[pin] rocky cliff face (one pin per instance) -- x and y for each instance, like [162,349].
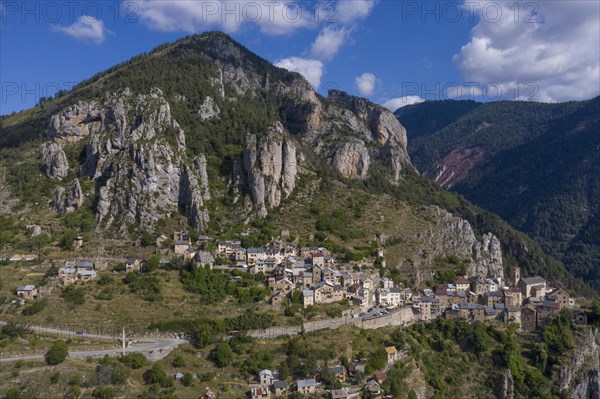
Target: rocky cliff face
[375,127]
[579,373]
[68,200]
[444,235]
[270,166]
[506,386]
[137,151]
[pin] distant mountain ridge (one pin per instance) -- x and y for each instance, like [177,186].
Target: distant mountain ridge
[536,165]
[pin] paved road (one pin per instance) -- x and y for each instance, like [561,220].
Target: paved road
[156,347]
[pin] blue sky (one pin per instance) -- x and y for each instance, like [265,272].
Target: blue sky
[392,52]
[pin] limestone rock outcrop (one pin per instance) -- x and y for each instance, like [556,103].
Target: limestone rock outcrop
[137,151]
[270,166]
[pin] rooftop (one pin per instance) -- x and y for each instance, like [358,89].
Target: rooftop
[533,280]
[306,383]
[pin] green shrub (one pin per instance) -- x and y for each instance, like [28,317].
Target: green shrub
[178,361]
[156,375]
[134,360]
[103,393]
[74,295]
[111,371]
[34,308]
[58,352]
[222,355]
[187,379]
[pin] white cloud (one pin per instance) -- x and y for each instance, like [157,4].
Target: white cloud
[366,83]
[400,102]
[328,42]
[85,29]
[312,70]
[276,18]
[349,11]
[551,55]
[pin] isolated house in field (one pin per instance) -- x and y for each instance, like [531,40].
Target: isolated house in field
[392,354]
[78,242]
[133,265]
[27,291]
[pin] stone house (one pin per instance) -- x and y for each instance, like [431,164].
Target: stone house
[280,387]
[340,373]
[133,265]
[528,318]
[372,389]
[160,240]
[546,312]
[386,283]
[461,283]
[228,247]
[513,297]
[561,297]
[84,265]
[388,296]
[284,285]
[491,298]
[306,386]
[260,392]
[308,298]
[512,315]
[189,254]
[86,275]
[204,259]
[380,376]
[392,354]
[68,275]
[532,286]
[78,242]
[29,291]
[579,318]
[181,247]
[266,377]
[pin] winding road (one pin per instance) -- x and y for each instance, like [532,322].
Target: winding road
[155,348]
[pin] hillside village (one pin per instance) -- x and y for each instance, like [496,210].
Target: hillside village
[314,274]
